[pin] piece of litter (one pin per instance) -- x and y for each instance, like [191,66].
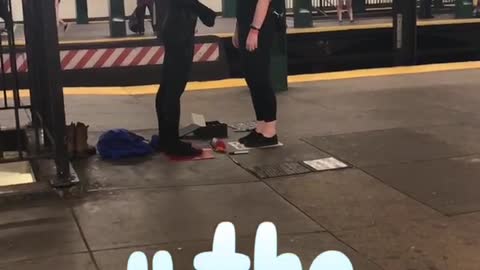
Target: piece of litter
[199,120]
[325,164]
[240,147]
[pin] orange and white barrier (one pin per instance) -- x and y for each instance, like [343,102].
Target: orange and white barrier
[116,57]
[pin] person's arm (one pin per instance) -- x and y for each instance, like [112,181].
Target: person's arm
[257,23]
[260,13]
[235,40]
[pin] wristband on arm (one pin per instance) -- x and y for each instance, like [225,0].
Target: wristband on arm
[254,27]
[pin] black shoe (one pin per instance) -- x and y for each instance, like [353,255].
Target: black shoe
[262,141]
[182,149]
[251,136]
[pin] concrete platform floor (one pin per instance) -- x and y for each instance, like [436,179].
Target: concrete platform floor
[410,201]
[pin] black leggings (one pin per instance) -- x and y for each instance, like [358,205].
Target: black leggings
[176,70]
[140,13]
[256,66]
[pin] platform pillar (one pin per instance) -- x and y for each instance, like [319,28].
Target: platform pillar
[438,4]
[279,58]
[405,32]
[118,27]
[229,8]
[45,74]
[359,6]
[82,11]
[302,13]
[425,9]
[463,9]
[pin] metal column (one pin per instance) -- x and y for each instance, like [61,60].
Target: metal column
[302,13]
[118,26]
[82,11]
[425,9]
[45,80]
[405,32]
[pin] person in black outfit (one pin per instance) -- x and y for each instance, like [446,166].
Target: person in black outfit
[177,22]
[253,36]
[140,12]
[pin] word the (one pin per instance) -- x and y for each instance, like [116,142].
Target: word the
[224,256]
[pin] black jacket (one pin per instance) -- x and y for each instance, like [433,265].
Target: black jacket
[177,19]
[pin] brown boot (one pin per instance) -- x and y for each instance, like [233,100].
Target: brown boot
[81,141]
[71,140]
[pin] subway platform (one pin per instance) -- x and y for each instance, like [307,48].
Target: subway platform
[90,58]
[409,199]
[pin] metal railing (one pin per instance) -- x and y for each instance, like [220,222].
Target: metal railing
[331,4]
[44,136]
[12,143]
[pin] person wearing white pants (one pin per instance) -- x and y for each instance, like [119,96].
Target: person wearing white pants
[340,4]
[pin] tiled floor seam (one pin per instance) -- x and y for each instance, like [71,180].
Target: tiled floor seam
[166,188]
[82,234]
[240,237]
[413,127]
[380,180]
[357,251]
[421,160]
[456,215]
[42,257]
[281,196]
[326,230]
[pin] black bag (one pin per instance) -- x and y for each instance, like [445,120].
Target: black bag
[279,15]
[133,23]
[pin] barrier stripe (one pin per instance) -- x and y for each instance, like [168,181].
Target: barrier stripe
[7,64]
[148,56]
[200,53]
[130,56]
[116,53]
[75,60]
[67,58]
[156,57]
[24,66]
[208,54]
[116,57]
[104,58]
[143,52]
[95,58]
[88,55]
[20,60]
[118,62]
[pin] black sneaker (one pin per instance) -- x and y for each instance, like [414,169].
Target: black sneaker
[261,141]
[182,149]
[251,136]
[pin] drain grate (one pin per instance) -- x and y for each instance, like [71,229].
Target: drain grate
[279,170]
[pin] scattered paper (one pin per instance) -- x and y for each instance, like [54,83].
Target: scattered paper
[325,164]
[199,120]
[240,147]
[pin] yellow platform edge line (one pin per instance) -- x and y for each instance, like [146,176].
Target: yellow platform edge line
[294,79]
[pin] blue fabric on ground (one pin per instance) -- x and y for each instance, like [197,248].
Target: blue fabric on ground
[118,144]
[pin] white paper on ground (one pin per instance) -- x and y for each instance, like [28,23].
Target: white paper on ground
[325,164]
[199,120]
[238,146]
